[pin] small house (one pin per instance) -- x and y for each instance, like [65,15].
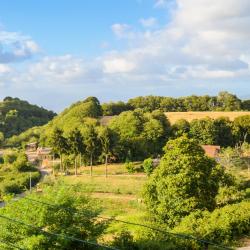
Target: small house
[211,150]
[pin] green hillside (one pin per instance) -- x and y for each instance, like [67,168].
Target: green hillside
[17,116]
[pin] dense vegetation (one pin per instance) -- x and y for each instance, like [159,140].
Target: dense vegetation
[17,116]
[15,171]
[223,102]
[71,216]
[191,194]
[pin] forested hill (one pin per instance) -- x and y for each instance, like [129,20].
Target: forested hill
[18,115]
[224,101]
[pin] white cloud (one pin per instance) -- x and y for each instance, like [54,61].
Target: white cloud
[205,41]
[4,69]
[120,30]
[149,22]
[16,47]
[118,65]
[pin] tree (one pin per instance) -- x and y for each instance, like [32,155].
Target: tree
[76,145]
[203,130]
[148,166]
[228,102]
[1,138]
[242,128]
[184,181]
[224,135]
[92,143]
[71,215]
[59,144]
[105,136]
[180,128]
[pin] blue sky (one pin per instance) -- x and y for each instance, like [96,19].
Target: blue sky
[55,52]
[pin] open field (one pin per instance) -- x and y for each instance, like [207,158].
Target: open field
[189,116]
[113,169]
[119,197]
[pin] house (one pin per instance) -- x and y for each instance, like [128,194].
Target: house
[211,150]
[31,147]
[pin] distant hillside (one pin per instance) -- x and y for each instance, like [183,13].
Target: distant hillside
[17,116]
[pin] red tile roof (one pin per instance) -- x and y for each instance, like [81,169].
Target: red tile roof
[211,150]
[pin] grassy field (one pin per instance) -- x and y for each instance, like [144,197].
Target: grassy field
[189,116]
[119,195]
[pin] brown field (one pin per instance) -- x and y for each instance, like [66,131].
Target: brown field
[189,116]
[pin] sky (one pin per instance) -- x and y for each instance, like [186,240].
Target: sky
[56,52]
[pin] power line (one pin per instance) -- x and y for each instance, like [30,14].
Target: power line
[183,236]
[55,234]
[7,243]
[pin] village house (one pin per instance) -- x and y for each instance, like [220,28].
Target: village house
[211,150]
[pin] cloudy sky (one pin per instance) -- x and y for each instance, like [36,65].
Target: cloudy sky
[53,53]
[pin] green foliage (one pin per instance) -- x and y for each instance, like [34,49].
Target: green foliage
[124,241]
[17,116]
[203,130]
[223,225]
[130,167]
[115,108]
[180,128]
[148,166]
[184,181]
[242,128]
[21,164]
[79,220]
[9,157]
[139,134]
[31,135]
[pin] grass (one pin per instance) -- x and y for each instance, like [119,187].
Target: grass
[189,116]
[113,169]
[126,185]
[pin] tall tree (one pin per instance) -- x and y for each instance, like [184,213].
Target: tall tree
[106,138]
[59,144]
[91,141]
[184,181]
[76,145]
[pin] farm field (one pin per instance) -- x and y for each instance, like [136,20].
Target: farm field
[189,116]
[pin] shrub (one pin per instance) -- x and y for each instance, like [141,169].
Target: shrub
[130,167]
[148,166]
[223,225]
[125,241]
[9,158]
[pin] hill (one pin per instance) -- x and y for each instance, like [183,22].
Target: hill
[18,115]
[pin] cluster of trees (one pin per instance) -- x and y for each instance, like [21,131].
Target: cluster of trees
[189,192]
[220,131]
[15,172]
[17,116]
[223,102]
[70,222]
[131,135]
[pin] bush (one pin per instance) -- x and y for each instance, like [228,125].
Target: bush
[9,158]
[130,167]
[148,166]
[72,213]
[125,241]
[223,225]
